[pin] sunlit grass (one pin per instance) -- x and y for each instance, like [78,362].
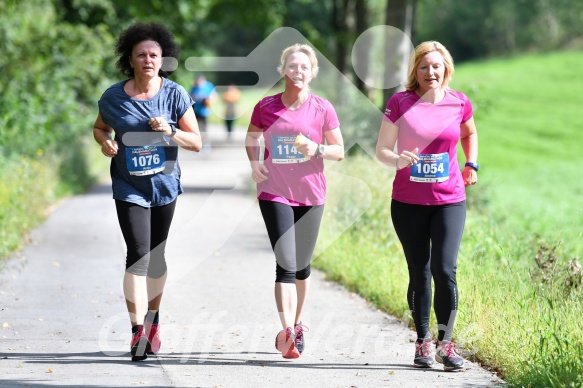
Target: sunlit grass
[30,185]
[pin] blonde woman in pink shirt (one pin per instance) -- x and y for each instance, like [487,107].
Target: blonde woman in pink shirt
[428,206]
[299,130]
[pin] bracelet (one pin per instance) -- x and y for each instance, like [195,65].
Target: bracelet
[397,163]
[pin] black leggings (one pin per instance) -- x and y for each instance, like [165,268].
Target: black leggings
[431,237]
[293,231]
[145,231]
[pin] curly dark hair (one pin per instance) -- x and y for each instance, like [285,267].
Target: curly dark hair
[140,32]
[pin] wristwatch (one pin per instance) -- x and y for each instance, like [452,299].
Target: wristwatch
[173,130]
[473,165]
[320,150]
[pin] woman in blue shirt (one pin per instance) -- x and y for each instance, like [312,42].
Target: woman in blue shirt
[150,116]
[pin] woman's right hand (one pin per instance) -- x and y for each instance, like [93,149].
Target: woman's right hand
[109,148]
[259,172]
[407,159]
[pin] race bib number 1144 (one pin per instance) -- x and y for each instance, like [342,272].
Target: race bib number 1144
[283,150]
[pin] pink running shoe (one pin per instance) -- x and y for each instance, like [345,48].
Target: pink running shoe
[140,346]
[285,343]
[153,333]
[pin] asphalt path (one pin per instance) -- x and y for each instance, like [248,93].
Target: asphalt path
[64,322]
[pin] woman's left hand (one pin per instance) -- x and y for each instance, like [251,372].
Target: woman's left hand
[159,124]
[306,147]
[470,176]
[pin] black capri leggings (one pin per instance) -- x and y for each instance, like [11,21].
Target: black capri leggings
[431,237]
[293,231]
[145,231]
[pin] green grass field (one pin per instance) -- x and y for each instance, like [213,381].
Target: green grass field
[530,138]
[517,316]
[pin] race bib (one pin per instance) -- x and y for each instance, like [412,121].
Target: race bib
[431,168]
[146,160]
[283,150]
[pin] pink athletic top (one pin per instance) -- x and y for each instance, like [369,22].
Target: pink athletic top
[292,178]
[435,130]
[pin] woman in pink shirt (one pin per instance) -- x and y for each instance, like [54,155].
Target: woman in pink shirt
[428,207]
[299,130]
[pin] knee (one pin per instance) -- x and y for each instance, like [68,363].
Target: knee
[304,273]
[283,275]
[443,274]
[157,268]
[138,260]
[420,278]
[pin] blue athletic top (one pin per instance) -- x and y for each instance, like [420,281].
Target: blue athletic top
[199,94]
[145,170]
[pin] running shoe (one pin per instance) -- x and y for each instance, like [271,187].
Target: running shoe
[423,354]
[448,356]
[285,343]
[299,332]
[140,346]
[153,333]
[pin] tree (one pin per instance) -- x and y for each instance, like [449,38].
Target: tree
[399,14]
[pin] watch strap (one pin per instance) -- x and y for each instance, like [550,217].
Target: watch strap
[318,150]
[173,130]
[473,165]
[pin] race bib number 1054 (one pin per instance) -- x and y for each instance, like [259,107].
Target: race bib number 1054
[431,168]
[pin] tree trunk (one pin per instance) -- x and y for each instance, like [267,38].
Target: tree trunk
[361,25]
[340,27]
[399,14]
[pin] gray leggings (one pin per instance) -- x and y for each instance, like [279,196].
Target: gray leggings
[293,231]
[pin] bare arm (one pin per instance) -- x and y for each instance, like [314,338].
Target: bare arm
[259,172]
[189,136]
[102,135]
[333,148]
[386,144]
[469,141]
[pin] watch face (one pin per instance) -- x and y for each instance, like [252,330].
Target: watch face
[321,148]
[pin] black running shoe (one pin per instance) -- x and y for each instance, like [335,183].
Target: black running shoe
[448,356]
[299,332]
[423,354]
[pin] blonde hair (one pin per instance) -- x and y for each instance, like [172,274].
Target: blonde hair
[299,48]
[420,51]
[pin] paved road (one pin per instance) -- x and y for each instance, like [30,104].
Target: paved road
[64,321]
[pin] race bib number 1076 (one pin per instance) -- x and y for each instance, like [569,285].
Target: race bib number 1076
[146,160]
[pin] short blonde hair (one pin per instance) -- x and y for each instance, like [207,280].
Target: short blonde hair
[420,51]
[299,48]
